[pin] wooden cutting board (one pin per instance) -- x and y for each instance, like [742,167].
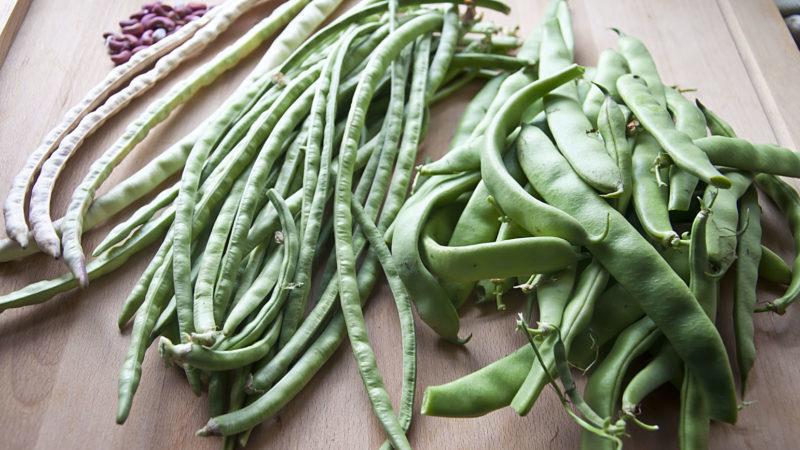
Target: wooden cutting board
[59,361]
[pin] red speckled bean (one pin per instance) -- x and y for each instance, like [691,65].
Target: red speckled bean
[117,45]
[196,6]
[127,22]
[159,33]
[135,29]
[138,48]
[138,15]
[107,35]
[132,40]
[121,57]
[183,11]
[159,22]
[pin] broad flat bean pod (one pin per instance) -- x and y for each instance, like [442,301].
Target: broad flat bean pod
[571,130]
[655,118]
[500,259]
[636,265]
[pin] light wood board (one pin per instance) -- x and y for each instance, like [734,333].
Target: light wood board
[59,361]
[12,13]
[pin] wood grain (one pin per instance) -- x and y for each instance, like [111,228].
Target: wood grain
[12,13]
[59,361]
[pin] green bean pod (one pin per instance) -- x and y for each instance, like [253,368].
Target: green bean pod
[553,293]
[612,126]
[649,197]
[502,259]
[610,66]
[696,405]
[665,366]
[655,118]
[723,231]
[787,199]
[748,258]
[773,268]
[740,154]
[641,64]
[690,121]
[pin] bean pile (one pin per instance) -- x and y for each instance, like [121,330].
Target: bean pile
[328,121]
[153,22]
[599,195]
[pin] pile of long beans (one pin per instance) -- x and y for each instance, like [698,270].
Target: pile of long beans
[599,195]
[327,121]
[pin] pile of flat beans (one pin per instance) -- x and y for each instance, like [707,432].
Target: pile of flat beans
[315,149]
[598,194]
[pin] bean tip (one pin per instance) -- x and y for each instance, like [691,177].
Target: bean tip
[211,429]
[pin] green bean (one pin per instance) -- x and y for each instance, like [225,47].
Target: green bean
[565,25]
[641,64]
[722,230]
[403,303]
[137,294]
[473,61]
[569,126]
[131,371]
[612,126]
[138,218]
[300,373]
[716,125]
[656,120]
[740,154]
[209,264]
[72,227]
[480,392]
[42,291]
[665,298]
[690,121]
[443,59]
[616,310]
[748,257]
[787,199]
[167,319]
[610,66]
[553,293]
[664,367]
[604,387]
[772,267]
[475,111]
[502,259]
[217,393]
[203,358]
[467,157]
[254,295]
[696,408]
[649,197]
[384,54]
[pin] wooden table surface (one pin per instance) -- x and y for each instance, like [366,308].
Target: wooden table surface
[59,361]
